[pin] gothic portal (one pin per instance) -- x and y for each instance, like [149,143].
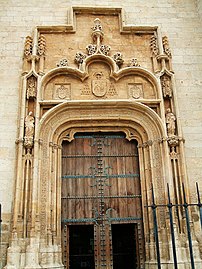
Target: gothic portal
[99,127]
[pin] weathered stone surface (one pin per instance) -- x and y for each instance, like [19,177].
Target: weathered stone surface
[177,20]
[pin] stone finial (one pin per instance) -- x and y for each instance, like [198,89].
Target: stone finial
[134,62]
[97,33]
[170,122]
[154,46]
[28,46]
[118,58]
[41,45]
[166,46]
[63,63]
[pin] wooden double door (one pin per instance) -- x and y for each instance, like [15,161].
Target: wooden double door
[101,203]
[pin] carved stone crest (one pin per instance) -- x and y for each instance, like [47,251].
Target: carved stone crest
[62,91]
[99,85]
[135,90]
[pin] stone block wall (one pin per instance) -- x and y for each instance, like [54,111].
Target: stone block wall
[180,20]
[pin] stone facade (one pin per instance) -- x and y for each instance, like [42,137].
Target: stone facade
[164,56]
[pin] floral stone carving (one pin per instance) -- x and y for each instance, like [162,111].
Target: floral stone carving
[118,58]
[63,63]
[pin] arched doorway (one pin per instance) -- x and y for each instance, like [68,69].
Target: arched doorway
[101,202]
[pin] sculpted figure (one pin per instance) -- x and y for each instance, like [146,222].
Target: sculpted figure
[29,125]
[31,89]
[166,87]
[170,122]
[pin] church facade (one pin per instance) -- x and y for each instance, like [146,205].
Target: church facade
[107,149]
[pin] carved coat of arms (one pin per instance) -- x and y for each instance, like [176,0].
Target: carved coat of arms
[99,85]
[135,90]
[62,91]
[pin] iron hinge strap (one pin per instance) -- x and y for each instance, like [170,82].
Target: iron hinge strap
[103,176]
[104,197]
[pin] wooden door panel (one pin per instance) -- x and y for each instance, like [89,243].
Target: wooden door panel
[100,186]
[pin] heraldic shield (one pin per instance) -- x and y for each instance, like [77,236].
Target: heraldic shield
[99,85]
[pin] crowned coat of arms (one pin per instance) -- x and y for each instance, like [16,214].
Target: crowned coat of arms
[135,90]
[99,85]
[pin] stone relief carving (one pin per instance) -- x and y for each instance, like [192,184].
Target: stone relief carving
[170,122]
[29,131]
[112,90]
[97,33]
[62,91]
[91,49]
[41,45]
[118,58]
[134,62]
[63,63]
[31,87]
[105,49]
[166,46]
[79,58]
[86,90]
[166,86]
[28,46]
[99,85]
[135,90]
[154,46]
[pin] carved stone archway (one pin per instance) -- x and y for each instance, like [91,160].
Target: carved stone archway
[93,92]
[137,121]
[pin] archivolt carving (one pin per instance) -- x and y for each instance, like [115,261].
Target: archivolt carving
[62,122]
